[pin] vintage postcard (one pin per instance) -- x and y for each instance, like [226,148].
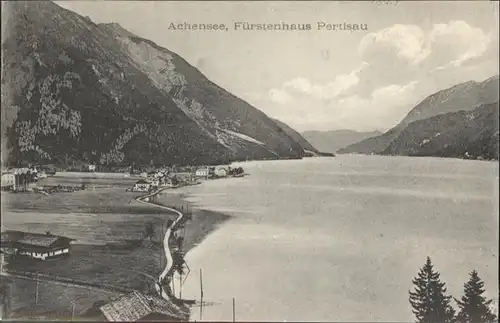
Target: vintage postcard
[332,161]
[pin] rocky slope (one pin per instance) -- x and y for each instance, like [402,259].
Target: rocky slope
[331,141]
[464,134]
[462,97]
[77,92]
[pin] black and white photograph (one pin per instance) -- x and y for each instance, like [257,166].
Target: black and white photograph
[265,161]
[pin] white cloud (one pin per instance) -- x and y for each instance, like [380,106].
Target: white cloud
[326,91]
[402,64]
[462,42]
[384,107]
[406,42]
[446,44]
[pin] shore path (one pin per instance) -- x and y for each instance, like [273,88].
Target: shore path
[167,273]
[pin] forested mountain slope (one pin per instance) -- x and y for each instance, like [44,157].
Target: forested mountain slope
[77,92]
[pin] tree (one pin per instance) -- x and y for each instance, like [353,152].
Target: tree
[429,300]
[474,308]
[149,231]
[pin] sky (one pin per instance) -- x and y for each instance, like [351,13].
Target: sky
[322,79]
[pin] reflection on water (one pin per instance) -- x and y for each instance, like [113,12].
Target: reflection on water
[341,239]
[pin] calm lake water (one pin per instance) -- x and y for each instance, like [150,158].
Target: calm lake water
[340,239]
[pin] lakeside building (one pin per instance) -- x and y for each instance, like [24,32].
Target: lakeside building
[221,171]
[155,182]
[137,307]
[183,176]
[8,181]
[19,178]
[168,181]
[142,186]
[202,172]
[34,245]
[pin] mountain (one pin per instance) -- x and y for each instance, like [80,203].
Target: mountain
[331,141]
[297,137]
[462,97]
[463,134]
[77,92]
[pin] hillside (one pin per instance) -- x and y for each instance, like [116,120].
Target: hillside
[464,134]
[77,92]
[297,137]
[331,141]
[462,97]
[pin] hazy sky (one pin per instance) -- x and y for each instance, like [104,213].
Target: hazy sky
[323,79]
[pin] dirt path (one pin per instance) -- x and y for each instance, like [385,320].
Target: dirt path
[167,273]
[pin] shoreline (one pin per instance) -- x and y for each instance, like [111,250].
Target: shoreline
[195,223]
[202,223]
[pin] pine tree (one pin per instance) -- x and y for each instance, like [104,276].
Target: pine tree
[429,300]
[474,308]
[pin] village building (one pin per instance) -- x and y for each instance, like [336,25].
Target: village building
[34,245]
[221,171]
[167,182]
[202,172]
[155,182]
[8,181]
[91,168]
[21,170]
[137,307]
[142,186]
[183,176]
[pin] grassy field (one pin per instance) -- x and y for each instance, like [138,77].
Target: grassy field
[54,301]
[108,226]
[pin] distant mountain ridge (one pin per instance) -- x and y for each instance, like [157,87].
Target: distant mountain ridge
[462,97]
[463,134]
[77,92]
[331,141]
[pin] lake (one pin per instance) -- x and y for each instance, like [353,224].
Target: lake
[340,239]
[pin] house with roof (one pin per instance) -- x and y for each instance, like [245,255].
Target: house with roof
[202,172]
[138,307]
[155,182]
[142,185]
[34,245]
[221,171]
[8,181]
